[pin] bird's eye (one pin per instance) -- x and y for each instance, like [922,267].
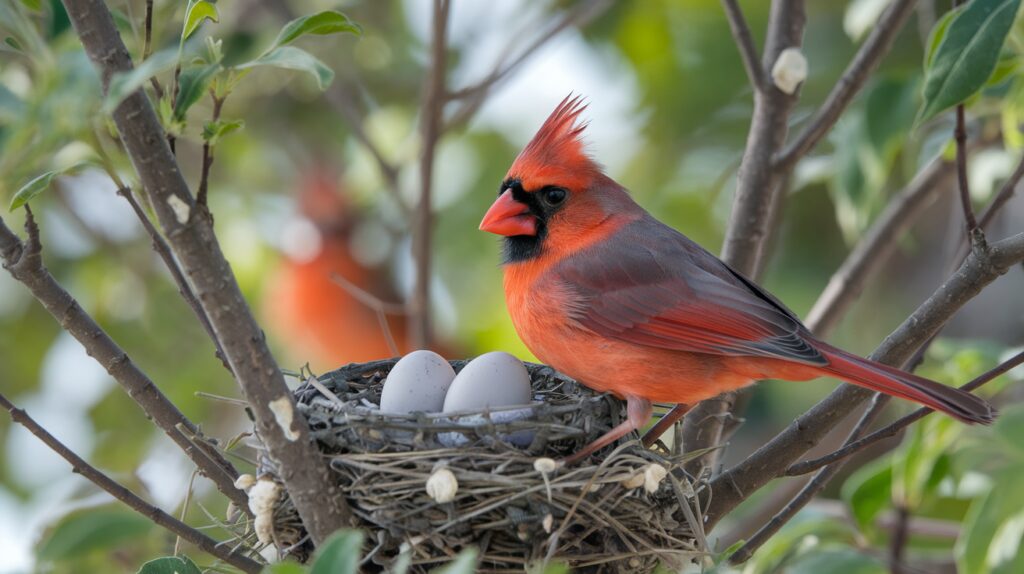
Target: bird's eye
[553,195]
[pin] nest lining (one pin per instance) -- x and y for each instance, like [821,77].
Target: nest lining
[604,515]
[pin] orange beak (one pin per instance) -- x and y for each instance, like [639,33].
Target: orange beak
[509,217]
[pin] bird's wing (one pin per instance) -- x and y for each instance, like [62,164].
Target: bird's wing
[650,285]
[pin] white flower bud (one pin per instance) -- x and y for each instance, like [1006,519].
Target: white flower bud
[790,70]
[442,485]
[263,498]
[548,523]
[545,465]
[634,481]
[245,482]
[653,475]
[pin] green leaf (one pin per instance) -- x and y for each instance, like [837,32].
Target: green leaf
[195,14]
[13,43]
[919,458]
[869,491]
[339,554]
[92,530]
[123,84]
[191,84]
[967,55]
[937,35]
[213,131]
[888,114]
[321,24]
[170,565]
[464,563]
[990,540]
[294,58]
[38,185]
[33,5]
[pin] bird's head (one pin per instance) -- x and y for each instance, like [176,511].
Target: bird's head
[552,188]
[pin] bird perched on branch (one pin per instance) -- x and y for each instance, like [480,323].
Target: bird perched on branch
[604,292]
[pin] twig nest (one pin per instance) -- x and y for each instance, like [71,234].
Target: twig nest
[442,485]
[513,502]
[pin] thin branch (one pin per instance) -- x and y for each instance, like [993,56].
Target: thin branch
[23,260]
[204,178]
[184,289]
[809,491]
[900,535]
[757,187]
[875,47]
[148,48]
[474,96]
[430,126]
[379,307]
[960,135]
[1004,195]
[282,429]
[745,43]
[983,266]
[118,491]
[880,241]
[895,427]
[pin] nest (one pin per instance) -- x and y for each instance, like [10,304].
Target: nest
[627,509]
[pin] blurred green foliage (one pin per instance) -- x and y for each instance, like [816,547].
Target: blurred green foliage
[682,93]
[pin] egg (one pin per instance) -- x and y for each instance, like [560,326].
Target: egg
[418,382]
[491,380]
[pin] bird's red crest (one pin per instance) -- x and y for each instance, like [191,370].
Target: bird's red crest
[555,155]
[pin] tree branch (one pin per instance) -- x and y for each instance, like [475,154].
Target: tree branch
[24,262]
[204,176]
[895,427]
[757,189]
[960,135]
[159,517]
[875,47]
[430,126]
[745,43]
[474,96]
[873,250]
[190,234]
[982,266]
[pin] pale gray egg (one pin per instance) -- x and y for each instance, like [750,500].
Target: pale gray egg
[491,380]
[418,382]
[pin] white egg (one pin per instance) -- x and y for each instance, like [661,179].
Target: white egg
[418,382]
[491,380]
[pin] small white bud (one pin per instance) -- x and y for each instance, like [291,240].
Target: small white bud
[263,498]
[548,523]
[653,475]
[634,481]
[245,482]
[442,485]
[790,70]
[545,465]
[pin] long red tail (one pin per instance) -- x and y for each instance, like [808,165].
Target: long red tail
[892,381]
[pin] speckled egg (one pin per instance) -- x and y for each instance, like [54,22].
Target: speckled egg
[418,382]
[491,380]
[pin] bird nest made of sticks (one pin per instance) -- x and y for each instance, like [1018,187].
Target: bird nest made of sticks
[423,486]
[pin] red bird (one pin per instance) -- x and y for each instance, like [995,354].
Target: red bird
[609,295]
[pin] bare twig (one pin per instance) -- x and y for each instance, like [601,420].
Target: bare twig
[984,265]
[807,493]
[900,534]
[430,126]
[895,427]
[757,186]
[870,254]
[745,43]
[184,510]
[204,178]
[282,429]
[474,96]
[148,48]
[24,262]
[379,307]
[875,47]
[1004,195]
[960,135]
[159,517]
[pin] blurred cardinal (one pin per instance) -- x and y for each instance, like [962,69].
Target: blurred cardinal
[609,295]
[318,319]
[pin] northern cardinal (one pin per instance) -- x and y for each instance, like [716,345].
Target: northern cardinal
[604,292]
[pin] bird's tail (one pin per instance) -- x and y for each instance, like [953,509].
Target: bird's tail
[958,404]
